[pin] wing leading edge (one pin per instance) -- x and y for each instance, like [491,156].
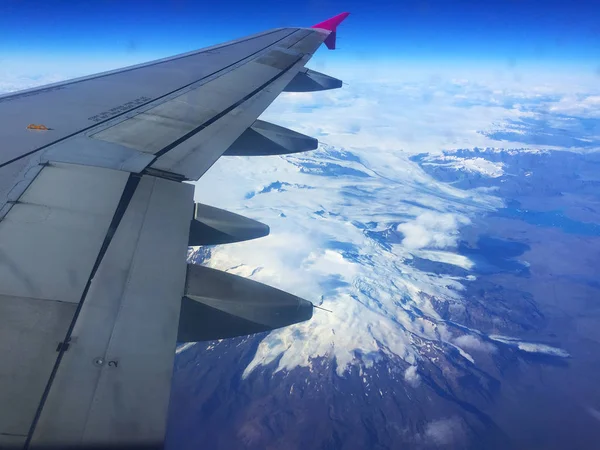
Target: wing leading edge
[95,223]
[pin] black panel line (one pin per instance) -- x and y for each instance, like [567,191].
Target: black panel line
[126,196]
[302,37]
[24,155]
[226,111]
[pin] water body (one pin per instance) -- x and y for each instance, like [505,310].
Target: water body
[556,219]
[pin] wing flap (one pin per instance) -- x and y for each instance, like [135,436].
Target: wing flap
[30,332]
[49,240]
[112,385]
[51,236]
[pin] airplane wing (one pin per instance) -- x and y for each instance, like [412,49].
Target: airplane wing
[95,222]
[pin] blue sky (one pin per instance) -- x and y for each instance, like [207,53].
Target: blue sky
[509,31]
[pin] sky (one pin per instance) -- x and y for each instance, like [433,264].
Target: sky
[81,37]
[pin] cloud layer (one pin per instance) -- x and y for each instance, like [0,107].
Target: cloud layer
[348,220]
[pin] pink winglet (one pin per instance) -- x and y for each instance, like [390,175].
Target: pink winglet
[331,25]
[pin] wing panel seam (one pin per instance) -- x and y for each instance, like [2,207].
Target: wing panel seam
[124,291]
[225,111]
[120,210]
[301,38]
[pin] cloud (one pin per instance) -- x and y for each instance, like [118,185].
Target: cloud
[411,376]
[446,432]
[10,82]
[389,116]
[543,349]
[355,213]
[473,343]
[328,244]
[586,106]
[531,347]
[445,257]
[324,246]
[432,230]
[425,113]
[18,73]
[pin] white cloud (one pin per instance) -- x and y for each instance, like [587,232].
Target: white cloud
[412,377]
[541,348]
[446,432]
[389,117]
[18,73]
[422,111]
[324,247]
[531,347]
[578,105]
[472,342]
[10,82]
[432,230]
[327,230]
[445,257]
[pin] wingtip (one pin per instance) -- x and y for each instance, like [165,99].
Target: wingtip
[332,23]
